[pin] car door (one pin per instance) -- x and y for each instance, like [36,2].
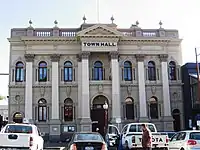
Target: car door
[123,134]
[172,145]
[180,140]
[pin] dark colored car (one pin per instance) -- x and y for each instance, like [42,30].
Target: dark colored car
[87,141]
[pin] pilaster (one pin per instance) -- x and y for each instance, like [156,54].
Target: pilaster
[55,120]
[86,124]
[116,104]
[29,86]
[168,120]
[142,92]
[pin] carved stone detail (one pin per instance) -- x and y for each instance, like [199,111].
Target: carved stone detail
[85,55]
[78,56]
[29,57]
[139,57]
[114,55]
[163,57]
[55,57]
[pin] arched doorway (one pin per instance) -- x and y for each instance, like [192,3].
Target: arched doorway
[18,117]
[177,120]
[99,115]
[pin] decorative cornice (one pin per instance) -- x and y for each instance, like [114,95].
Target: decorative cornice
[114,55]
[55,57]
[29,57]
[140,57]
[163,57]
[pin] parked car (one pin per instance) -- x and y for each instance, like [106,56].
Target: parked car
[185,140]
[86,141]
[21,136]
[132,136]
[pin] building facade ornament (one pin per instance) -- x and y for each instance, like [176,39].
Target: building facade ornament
[114,55]
[29,57]
[163,57]
[85,55]
[55,57]
[78,56]
[139,57]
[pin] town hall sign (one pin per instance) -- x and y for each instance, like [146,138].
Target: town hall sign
[99,44]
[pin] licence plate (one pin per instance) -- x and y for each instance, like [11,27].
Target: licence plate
[89,148]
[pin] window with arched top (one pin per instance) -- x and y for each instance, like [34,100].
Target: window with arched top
[151,71]
[172,70]
[127,71]
[129,106]
[98,71]
[19,72]
[68,110]
[42,110]
[68,71]
[42,67]
[153,104]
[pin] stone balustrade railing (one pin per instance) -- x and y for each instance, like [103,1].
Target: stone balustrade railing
[72,32]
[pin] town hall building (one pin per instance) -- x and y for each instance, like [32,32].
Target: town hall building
[61,78]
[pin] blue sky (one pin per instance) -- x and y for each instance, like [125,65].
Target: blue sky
[175,14]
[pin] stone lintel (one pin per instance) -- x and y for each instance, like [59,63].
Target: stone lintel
[29,57]
[140,57]
[163,57]
[55,57]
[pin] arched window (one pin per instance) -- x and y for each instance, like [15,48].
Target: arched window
[42,110]
[42,71]
[68,71]
[129,108]
[151,71]
[68,110]
[19,72]
[153,107]
[127,71]
[98,70]
[172,70]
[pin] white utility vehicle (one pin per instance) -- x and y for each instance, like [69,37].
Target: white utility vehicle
[21,136]
[132,137]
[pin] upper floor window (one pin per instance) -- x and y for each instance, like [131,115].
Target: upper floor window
[151,71]
[172,70]
[19,72]
[127,71]
[42,71]
[98,71]
[68,71]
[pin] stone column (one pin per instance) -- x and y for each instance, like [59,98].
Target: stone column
[116,98]
[55,86]
[79,76]
[168,120]
[141,86]
[55,119]
[85,94]
[29,86]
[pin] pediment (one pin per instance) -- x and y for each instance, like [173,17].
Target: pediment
[100,30]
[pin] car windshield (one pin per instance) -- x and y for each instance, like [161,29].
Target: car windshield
[195,136]
[87,137]
[18,129]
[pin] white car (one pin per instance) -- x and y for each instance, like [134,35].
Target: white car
[21,136]
[185,140]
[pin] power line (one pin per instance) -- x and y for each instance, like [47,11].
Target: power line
[4,74]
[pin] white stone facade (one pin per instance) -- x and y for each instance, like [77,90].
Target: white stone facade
[53,80]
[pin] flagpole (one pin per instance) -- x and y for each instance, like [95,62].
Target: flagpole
[198,79]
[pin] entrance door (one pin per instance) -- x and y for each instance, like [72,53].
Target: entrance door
[177,120]
[98,114]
